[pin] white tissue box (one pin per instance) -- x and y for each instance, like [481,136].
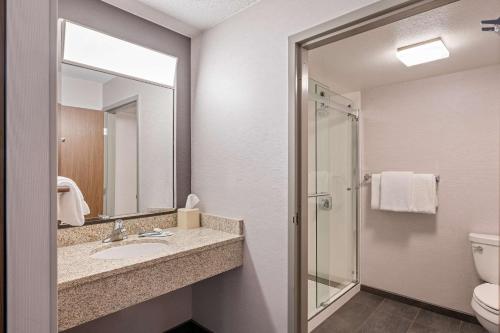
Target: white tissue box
[188,218]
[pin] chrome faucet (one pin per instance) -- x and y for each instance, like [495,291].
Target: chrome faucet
[119,232]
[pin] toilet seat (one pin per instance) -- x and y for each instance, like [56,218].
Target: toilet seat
[485,305]
[487,296]
[485,317]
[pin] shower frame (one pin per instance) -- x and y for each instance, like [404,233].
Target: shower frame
[327,101]
[364,19]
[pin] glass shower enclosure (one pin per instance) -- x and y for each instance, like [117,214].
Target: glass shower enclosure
[332,196]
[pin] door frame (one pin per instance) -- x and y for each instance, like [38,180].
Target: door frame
[30,181]
[364,19]
[2,167]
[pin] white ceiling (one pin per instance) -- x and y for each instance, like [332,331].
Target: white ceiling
[148,13]
[369,59]
[76,72]
[201,14]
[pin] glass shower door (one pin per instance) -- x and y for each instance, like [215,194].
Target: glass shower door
[332,196]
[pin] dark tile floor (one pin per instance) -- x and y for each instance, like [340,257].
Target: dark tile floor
[369,313]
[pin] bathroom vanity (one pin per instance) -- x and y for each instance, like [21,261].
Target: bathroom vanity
[94,281]
[118,174]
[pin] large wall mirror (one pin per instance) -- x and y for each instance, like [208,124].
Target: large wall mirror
[115,124]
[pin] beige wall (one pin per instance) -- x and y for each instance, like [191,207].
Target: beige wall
[447,125]
[240,155]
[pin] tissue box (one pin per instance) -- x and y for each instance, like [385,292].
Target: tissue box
[188,218]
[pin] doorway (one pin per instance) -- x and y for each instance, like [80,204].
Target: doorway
[324,169]
[81,151]
[121,193]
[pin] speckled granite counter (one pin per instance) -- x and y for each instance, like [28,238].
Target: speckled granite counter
[91,288]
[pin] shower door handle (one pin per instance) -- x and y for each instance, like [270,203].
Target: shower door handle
[320,194]
[325,200]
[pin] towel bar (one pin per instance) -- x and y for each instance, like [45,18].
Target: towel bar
[62,189]
[367,177]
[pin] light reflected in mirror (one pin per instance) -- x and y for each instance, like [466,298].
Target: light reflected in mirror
[94,49]
[115,142]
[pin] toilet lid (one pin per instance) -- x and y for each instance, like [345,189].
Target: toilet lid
[487,294]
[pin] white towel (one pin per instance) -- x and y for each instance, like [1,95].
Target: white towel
[375,203]
[396,191]
[424,194]
[71,206]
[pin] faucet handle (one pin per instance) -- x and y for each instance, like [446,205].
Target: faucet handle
[118,224]
[118,233]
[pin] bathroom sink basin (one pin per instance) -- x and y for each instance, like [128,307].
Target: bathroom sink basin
[129,251]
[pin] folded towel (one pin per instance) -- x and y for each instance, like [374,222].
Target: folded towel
[424,194]
[396,191]
[375,202]
[71,206]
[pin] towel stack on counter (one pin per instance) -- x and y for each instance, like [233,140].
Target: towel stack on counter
[404,192]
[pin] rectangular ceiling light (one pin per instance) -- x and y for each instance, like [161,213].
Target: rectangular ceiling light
[423,52]
[100,51]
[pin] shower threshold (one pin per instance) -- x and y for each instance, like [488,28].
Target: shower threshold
[331,305]
[335,292]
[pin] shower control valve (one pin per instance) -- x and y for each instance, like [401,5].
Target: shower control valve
[326,203]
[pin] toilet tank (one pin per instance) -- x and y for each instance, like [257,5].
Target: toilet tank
[485,250]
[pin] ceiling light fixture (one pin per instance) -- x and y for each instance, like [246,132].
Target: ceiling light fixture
[423,52]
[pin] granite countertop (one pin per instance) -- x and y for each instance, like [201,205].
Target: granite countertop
[75,266]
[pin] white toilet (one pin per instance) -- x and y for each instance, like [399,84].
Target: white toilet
[485,249]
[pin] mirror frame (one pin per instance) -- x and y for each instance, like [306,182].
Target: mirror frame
[98,220]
